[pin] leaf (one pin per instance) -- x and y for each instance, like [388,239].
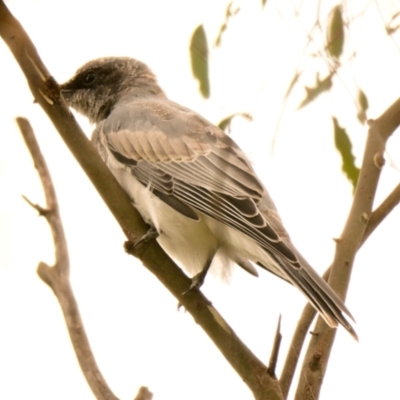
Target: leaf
[363,106]
[344,146]
[230,12]
[199,59]
[362,100]
[320,87]
[335,33]
[225,124]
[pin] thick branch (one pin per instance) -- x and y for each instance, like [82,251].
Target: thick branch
[57,277]
[317,356]
[47,94]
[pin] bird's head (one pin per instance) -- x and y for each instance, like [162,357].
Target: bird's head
[100,84]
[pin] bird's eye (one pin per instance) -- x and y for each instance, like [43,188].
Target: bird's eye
[89,78]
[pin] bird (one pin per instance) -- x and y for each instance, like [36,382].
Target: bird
[190,181]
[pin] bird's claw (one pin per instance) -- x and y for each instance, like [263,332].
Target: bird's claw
[151,234]
[197,281]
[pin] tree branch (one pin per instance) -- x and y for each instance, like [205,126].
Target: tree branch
[381,212]
[273,359]
[46,92]
[309,312]
[57,277]
[299,336]
[317,356]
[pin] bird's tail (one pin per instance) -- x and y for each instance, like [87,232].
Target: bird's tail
[321,296]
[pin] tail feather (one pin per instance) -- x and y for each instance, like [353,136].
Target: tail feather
[321,296]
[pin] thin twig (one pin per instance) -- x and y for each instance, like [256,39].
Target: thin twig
[42,211]
[382,211]
[299,336]
[57,276]
[273,360]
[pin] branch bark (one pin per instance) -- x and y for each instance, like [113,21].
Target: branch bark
[46,92]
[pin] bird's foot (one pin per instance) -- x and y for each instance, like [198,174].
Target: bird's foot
[198,279]
[197,282]
[151,234]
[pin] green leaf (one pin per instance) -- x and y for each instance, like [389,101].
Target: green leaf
[335,33]
[344,146]
[362,100]
[199,59]
[362,105]
[320,87]
[225,124]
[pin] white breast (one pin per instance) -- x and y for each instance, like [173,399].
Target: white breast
[189,242]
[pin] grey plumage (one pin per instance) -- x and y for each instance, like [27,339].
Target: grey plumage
[189,179]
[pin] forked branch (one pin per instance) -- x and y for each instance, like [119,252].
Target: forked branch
[57,276]
[353,235]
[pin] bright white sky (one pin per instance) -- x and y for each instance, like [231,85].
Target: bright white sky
[138,336]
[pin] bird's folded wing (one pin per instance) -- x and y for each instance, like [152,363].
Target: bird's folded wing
[184,159]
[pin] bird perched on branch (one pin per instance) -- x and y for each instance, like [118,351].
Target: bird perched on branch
[189,180]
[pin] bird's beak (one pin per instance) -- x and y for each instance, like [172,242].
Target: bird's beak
[66,93]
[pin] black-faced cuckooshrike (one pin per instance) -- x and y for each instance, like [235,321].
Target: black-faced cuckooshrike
[189,180]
